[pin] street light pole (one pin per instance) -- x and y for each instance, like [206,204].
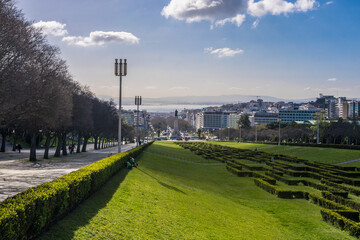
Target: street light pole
[137,103]
[279,120]
[255,132]
[240,133]
[120,70]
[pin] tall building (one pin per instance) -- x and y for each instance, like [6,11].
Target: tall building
[353,110]
[260,118]
[212,120]
[233,120]
[291,115]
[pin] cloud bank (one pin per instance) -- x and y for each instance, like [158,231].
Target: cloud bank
[99,38]
[223,52]
[51,28]
[96,38]
[232,11]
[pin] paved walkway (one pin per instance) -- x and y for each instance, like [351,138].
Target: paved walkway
[17,173]
[349,161]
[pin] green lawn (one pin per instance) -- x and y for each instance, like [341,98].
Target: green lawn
[170,199]
[318,154]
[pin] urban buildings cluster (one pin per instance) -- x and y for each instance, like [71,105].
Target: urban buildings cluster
[326,107]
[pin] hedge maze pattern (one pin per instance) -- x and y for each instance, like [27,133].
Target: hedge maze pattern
[334,188]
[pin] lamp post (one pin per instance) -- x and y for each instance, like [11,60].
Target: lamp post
[279,120]
[137,103]
[240,125]
[255,131]
[120,71]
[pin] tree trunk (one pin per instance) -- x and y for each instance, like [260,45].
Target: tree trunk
[2,149]
[47,145]
[95,142]
[14,142]
[79,143]
[99,143]
[59,146]
[102,144]
[33,147]
[64,150]
[86,138]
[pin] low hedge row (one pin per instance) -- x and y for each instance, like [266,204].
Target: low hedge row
[346,202]
[238,172]
[24,215]
[342,187]
[277,191]
[322,202]
[250,174]
[338,220]
[340,146]
[234,165]
[250,167]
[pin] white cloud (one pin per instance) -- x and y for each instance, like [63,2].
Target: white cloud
[255,23]
[198,10]
[232,11]
[329,2]
[51,28]
[277,7]
[99,38]
[150,87]
[332,79]
[237,20]
[223,52]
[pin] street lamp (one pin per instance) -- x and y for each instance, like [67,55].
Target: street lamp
[120,71]
[240,125]
[137,103]
[255,131]
[279,120]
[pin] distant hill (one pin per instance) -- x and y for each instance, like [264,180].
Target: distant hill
[206,100]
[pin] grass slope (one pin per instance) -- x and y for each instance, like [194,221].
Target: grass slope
[169,199]
[318,154]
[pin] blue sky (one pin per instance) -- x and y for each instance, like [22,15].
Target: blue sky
[282,48]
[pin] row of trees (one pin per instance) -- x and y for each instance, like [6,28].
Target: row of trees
[340,132]
[38,95]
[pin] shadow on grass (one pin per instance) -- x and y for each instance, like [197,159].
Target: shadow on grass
[163,184]
[81,216]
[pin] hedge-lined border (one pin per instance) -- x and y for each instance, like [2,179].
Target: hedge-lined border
[26,214]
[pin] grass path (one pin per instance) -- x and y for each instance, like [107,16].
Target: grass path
[169,199]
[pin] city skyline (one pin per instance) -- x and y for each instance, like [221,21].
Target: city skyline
[287,49]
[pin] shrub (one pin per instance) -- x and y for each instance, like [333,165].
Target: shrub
[24,215]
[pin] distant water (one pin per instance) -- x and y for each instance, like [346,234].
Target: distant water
[166,108]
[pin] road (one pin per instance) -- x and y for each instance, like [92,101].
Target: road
[18,174]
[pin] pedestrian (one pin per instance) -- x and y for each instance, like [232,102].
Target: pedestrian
[128,165]
[19,147]
[132,161]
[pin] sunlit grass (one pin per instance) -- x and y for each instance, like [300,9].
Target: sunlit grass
[169,199]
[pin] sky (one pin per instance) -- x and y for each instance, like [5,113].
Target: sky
[292,49]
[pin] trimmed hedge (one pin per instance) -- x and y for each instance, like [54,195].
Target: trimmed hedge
[338,220]
[346,202]
[342,187]
[26,214]
[238,172]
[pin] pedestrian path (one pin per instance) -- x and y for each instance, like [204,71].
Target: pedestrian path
[349,161]
[19,174]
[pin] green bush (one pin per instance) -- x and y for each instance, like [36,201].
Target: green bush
[24,215]
[339,186]
[338,220]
